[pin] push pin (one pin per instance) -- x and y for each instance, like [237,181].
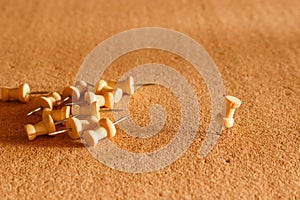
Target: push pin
[59,115]
[74,126]
[126,85]
[46,102]
[93,109]
[91,97]
[70,93]
[106,128]
[232,103]
[101,88]
[106,100]
[42,128]
[22,93]
[82,86]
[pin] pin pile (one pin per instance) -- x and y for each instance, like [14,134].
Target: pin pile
[78,108]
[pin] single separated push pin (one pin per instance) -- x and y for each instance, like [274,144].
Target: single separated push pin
[126,85]
[59,115]
[74,126]
[232,103]
[42,128]
[46,102]
[105,129]
[22,93]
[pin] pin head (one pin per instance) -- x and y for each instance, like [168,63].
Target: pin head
[127,85]
[75,127]
[48,122]
[82,86]
[130,83]
[99,86]
[233,102]
[109,127]
[72,92]
[44,102]
[30,130]
[24,92]
[90,97]
[118,93]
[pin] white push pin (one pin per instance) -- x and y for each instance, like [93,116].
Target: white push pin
[126,85]
[46,102]
[93,109]
[232,103]
[74,126]
[59,115]
[105,129]
[42,128]
[22,93]
[101,88]
[82,86]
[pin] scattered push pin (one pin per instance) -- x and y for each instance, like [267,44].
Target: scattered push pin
[232,103]
[70,93]
[109,100]
[74,126]
[91,97]
[93,109]
[82,86]
[22,93]
[46,102]
[105,129]
[42,128]
[106,100]
[59,115]
[101,88]
[127,85]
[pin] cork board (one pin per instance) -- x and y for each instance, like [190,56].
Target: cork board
[256,48]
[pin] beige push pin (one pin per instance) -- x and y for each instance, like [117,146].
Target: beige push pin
[109,100]
[127,85]
[46,102]
[93,109]
[91,97]
[74,126]
[22,93]
[82,86]
[42,128]
[101,88]
[106,100]
[59,115]
[232,103]
[106,128]
[70,93]
[74,92]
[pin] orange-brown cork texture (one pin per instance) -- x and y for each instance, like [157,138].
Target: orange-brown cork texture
[255,45]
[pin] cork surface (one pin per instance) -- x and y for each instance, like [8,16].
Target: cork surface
[256,46]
